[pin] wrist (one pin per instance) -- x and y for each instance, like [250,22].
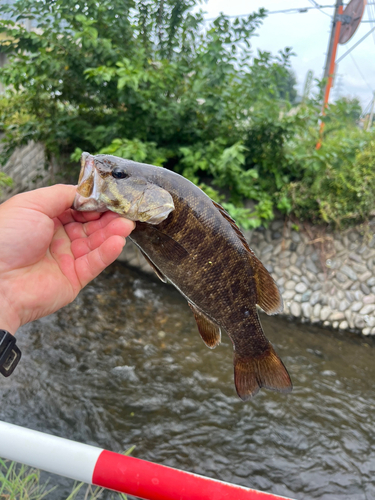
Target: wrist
[9,325]
[9,320]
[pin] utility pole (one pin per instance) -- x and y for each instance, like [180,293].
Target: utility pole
[371,113]
[330,44]
[338,86]
[329,69]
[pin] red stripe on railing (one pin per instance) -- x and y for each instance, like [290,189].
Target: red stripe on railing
[157,482]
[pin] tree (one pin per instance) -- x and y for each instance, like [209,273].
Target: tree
[92,72]
[146,79]
[150,80]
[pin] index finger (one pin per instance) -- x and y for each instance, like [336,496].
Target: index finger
[51,201]
[71,215]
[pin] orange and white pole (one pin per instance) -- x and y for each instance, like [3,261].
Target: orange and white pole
[114,471]
[331,70]
[330,66]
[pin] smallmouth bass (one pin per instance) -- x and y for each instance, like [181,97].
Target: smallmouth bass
[190,241]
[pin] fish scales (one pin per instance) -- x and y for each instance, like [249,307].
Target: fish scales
[213,275]
[193,243]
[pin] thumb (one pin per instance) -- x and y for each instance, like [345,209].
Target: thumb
[52,201]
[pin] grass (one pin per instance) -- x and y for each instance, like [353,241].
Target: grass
[20,482]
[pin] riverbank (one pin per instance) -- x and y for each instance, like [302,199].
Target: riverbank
[325,277]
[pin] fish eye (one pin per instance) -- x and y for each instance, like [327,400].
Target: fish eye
[117,173]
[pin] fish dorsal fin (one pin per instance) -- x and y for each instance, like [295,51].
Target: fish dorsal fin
[209,331]
[158,273]
[236,229]
[268,295]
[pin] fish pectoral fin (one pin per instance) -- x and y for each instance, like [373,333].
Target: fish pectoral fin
[158,273]
[267,370]
[209,331]
[268,294]
[161,243]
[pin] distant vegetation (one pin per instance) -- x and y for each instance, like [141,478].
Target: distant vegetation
[151,81]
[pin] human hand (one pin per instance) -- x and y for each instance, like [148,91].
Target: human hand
[49,252]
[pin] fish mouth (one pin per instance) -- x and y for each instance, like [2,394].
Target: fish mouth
[84,204]
[89,187]
[137,199]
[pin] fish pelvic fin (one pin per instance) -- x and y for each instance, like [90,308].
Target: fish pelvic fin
[253,373]
[209,331]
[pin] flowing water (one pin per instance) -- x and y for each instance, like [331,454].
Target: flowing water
[124,365]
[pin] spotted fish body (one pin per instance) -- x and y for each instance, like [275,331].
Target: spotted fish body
[200,250]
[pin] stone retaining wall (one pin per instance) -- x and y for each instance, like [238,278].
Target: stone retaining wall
[325,278]
[26,167]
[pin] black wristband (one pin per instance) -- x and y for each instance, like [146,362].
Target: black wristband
[9,353]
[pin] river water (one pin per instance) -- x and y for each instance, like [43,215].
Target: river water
[124,365]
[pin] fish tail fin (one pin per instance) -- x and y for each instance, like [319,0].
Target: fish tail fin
[266,370]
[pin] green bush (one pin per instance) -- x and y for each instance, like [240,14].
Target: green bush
[151,81]
[338,181]
[342,189]
[147,80]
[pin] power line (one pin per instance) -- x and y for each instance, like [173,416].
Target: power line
[360,72]
[317,6]
[299,10]
[295,10]
[355,45]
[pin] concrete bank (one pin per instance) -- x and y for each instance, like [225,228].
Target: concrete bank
[325,278]
[27,168]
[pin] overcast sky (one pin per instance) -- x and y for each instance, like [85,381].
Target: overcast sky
[308,35]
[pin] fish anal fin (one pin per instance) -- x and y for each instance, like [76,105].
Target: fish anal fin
[158,273]
[266,370]
[268,295]
[209,331]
